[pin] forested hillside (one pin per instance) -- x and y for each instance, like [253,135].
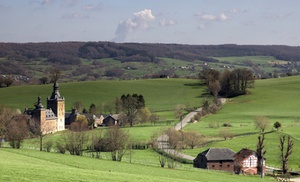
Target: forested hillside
[102,60]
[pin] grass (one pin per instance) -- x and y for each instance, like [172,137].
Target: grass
[250,141]
[42,166]
[274,98]
[159,94]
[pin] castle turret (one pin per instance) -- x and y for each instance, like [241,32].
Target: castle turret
[57,104]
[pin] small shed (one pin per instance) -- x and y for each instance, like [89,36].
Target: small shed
[111,120]
[216,159]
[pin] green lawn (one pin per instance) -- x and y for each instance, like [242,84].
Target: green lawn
[28,165]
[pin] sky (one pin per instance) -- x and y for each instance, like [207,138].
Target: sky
[200,22]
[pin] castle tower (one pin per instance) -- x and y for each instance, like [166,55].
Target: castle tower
[57,104]
[40,112]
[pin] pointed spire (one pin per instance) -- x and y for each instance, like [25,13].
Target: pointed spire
[55,93]
[39,104]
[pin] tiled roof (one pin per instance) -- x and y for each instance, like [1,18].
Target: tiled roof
[243,154]
[50,114]
[212,154]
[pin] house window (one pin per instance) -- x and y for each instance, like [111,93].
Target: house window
[228,165]
[220,165]
[213,165]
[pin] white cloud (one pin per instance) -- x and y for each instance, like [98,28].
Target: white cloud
[165,22]
[139,21]
[93,7]
[208,17]
[74,16]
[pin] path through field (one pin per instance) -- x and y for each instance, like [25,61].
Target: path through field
[163,139]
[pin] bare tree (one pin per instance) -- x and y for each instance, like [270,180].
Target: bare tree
[261,123]
[117,140]
[43,80]
[17,130]
[39,129]
[78,106]
[175,138]
[285,151]
[6,116]
[118,105]
[179,112]
[54,75]
[98,143]
[214,88]
[122,119]
[260,153]
[153,117]
[209,75]
[77,138]
[225,133]
[192,138]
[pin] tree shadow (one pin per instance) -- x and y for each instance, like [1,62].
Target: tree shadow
[194,85]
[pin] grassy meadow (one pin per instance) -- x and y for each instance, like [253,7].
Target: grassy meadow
[159,94]
[274,98]
[28,165]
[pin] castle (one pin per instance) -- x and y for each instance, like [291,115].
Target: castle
[52,118]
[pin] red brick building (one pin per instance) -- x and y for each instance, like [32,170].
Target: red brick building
[216,159]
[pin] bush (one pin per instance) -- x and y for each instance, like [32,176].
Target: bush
[48,145]
[277,125]
[15,144]
[60,147]
[213,125]
[227,125]
[198,116]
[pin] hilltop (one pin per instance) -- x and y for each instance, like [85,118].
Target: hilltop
[36,62]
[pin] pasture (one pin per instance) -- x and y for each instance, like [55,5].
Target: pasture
[159,94]
[274,98]
[28,165]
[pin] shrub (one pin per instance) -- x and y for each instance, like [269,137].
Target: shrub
[213,125]
[60,147]
[198,116]
[227,125]
[48,145]
[277,125]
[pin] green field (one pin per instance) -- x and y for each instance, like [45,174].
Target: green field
[28,165]
[159,94]
[275,98]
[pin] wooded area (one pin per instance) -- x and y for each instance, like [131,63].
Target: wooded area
[97,60]
[70,52]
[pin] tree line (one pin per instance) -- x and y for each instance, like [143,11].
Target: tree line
[70,52]
[131,110]
[227,83]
